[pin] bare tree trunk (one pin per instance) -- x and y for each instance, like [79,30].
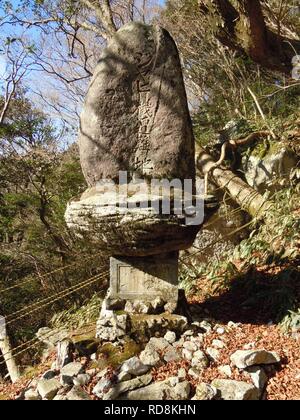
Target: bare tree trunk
[6,351]
[244,29]
[244,195]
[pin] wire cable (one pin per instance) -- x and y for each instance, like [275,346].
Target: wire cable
[47,274]
[33,341]
[57,298]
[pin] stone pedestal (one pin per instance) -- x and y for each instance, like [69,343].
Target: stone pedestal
[145,282]
[142,297]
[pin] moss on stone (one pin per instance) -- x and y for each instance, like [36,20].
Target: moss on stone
[87,333]
[262,150]
[112,355]
[84,340]
[120,312]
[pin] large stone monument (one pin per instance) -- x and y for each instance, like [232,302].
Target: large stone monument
[137,154]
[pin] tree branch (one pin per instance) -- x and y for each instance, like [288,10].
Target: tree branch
[104,15]
[244,29]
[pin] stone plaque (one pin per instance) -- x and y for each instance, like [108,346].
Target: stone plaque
[145,279]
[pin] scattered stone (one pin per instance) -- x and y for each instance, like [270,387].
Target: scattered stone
[194,373]
[158,344]
[160,391]
[236,390]
[200,360]
[63,390]
[109,320]
[182,391]
[69,372]
[82,379]
[47,389]
[110,326]
[218,344]
[156,326]
[64,351]
[102,373]
[179,343]
[258,376]
[78,394]
[33,383]
[134,366]
[170,336]
[103,387]
[124,376]
[189,345]
[174,380]
[187,354]
[20,396]
[150,357]
[31,395]
[198,340]
[49,374]
[51,337]
[181,374]
[221,330]
[213,354]
[188,333]
[249,346]
[225,370]
[66,382]
[205,392]
[206,326]
[232,324]
[122,387]
[246,358]
[171,355]
[138,307]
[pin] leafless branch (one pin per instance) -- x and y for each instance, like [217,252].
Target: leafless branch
[18,69]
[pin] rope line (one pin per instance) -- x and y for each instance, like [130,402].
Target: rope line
[29,344]
[58,297]
[45,299]
[47,274]
[34,340]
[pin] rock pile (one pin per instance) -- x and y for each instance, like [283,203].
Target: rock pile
[135,378]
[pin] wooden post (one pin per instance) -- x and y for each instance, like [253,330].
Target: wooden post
[6,350]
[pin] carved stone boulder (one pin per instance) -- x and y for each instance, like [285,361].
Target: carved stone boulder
[135,117]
